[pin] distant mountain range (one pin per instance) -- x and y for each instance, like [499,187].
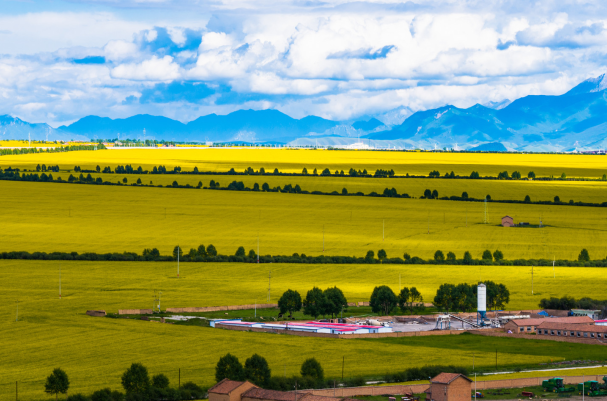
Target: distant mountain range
[574,120]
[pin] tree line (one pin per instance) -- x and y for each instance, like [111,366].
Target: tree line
[568,303]
[210,254]
[317,302]
[59,149]
[137,385]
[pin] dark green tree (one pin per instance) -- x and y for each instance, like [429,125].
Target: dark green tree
[451,256]
[138,181]
[229,367]
[211,251]
[344,191]
[557,199]
[467,258]
[445,298]
[290,301]
[498,255]
[252,254]
[265,187]
[135,379]
[311,368]
[439,256]
[487,255]
[527,199]
[531,174]
[304,171]
[202,251]
[403,299]
[435,194]
[584,256]
[123,180]
[383,300]
[406,256]
[177,251]
[336,301]
[370,255]
[381,255]
[464,195]
[497,295]
[240,251]
[57,383]
[256,187]
[315,303]
[160,381]
[257,370]
[98,169]
[428,194]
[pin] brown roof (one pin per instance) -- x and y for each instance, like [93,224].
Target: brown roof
[261,394]
[226,386]
[569,319]
[573,327]
[312,397]
[447,378]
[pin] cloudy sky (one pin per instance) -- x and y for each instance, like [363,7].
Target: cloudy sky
[62,60]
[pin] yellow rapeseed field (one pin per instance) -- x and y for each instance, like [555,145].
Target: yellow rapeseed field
[53,217]
[585,191]
[291,160]
[53,332]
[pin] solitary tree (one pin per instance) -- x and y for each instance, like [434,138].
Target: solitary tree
[135,379]
[290,301]
[531,174]
[527,199]
[311,368]
[439,256]
[584,256]
[557,199]
[344,191]
[240,251]
[464,195]
[304,171]
[57,382]
[160,381]
[381,255]
[229,367]
[256,369]
[383,300]
[125,180]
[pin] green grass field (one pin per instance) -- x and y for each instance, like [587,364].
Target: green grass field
[293,161]
[87,218]
[54,332]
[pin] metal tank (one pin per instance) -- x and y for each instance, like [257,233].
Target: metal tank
[481,296]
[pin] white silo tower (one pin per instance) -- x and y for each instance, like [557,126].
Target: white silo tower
[481,296]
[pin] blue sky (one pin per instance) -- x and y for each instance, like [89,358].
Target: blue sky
[63,60]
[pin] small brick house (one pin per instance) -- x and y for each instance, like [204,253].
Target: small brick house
[229,390]
[450,387]
[507,221]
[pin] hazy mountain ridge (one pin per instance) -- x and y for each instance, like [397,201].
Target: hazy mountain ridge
[574,120]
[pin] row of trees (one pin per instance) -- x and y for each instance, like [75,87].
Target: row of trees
[210,254]
[136,383]
[257,371]
[384,300]
[59,149]
[463,297]
[317,302]
[568,303]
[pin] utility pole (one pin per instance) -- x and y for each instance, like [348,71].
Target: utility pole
[531,280]
[258,247]
[269,286]
[323,237]
[177,261]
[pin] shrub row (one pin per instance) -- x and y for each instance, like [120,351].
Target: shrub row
[154,255]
